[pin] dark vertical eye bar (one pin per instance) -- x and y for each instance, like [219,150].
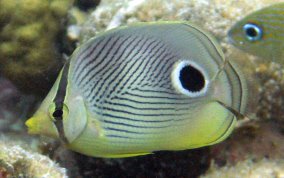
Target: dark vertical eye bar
[59,100]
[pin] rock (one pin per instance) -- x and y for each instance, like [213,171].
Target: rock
[18,160]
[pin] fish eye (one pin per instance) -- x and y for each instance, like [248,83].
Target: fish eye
[252,32]
[189,78]
[55,113]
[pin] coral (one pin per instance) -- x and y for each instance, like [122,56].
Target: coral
[249,169]
[18,161]
[29,31]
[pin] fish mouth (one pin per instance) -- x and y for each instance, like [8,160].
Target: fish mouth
[37,125]
[31,124]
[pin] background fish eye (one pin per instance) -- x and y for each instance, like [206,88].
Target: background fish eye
[252,32]
[189,78]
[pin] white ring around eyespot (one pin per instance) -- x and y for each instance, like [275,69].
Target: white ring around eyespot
[175,75]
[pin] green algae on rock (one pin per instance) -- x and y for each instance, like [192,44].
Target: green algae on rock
[29,32]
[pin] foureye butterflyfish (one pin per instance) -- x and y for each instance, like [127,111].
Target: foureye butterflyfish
[143,88]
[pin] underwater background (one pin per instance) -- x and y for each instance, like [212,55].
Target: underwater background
[36,38]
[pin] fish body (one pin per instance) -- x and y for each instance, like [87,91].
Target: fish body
[261,33]
[143,88]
